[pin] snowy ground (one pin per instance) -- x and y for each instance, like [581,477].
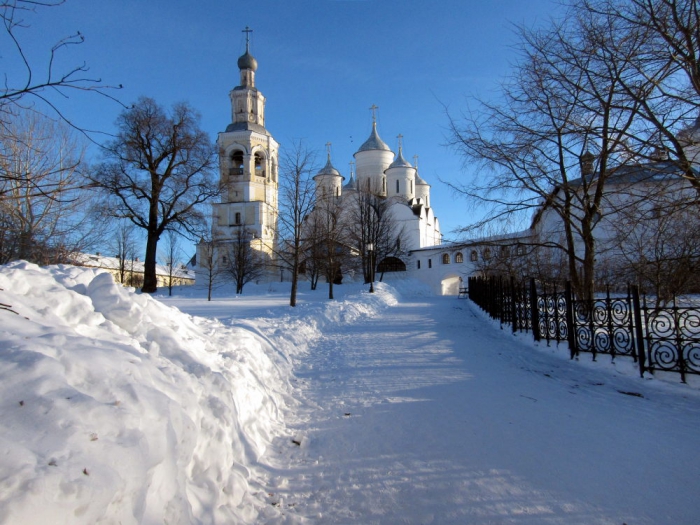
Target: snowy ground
[396,407]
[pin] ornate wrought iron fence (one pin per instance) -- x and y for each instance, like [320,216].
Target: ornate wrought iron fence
[656,338]
[672,337]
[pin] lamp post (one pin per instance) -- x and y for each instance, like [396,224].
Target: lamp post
[370,257]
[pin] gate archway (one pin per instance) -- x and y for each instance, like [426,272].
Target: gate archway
[391,264]
[450,284]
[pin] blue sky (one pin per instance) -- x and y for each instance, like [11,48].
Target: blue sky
[322,64]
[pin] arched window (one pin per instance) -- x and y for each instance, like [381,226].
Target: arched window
[473,256]
[259,165]
[487,254]
[459,258]
[445,258]
[237,163]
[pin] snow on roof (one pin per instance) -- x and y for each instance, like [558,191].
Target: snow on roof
[112,263]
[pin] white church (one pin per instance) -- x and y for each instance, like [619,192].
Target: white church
[248,166]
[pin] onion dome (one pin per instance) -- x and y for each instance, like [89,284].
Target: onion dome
[351,185]
[328,169]
[400,162]
[247,61]
[374,142]
[419,180]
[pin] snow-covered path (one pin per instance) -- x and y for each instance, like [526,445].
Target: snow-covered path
[427,414]
[375,408]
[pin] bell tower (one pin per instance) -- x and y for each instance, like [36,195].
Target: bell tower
[248,164]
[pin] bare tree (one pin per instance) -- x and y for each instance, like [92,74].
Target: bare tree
[171,256]
[39,83]
[655,242]
[328,243]
[566,122]
[313,253]
[159,170]
[664,79]
[207,263]
[374,230]
[45,208]
[296,202]
[240,261]
[123,245]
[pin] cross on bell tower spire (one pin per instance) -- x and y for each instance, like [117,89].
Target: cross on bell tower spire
[247,32]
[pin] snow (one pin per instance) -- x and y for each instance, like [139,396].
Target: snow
[393,407]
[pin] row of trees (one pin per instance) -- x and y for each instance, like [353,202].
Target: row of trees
[155,175]
[609,85]
[319,237]
[330,235]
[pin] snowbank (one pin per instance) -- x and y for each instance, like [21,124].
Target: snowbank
[119,409]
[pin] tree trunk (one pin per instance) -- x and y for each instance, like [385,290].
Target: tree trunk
[293,295]
[295,277]
[150,280]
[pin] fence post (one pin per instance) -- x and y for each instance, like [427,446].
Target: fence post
[571,328]
[678,339]
[639,334]
[610,328]
[534,312]
[513,299]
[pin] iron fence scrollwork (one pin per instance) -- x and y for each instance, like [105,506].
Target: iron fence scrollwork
[656,338]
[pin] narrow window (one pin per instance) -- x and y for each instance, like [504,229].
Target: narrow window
[418,264]
[237,220]
[397,186]
[430,263]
